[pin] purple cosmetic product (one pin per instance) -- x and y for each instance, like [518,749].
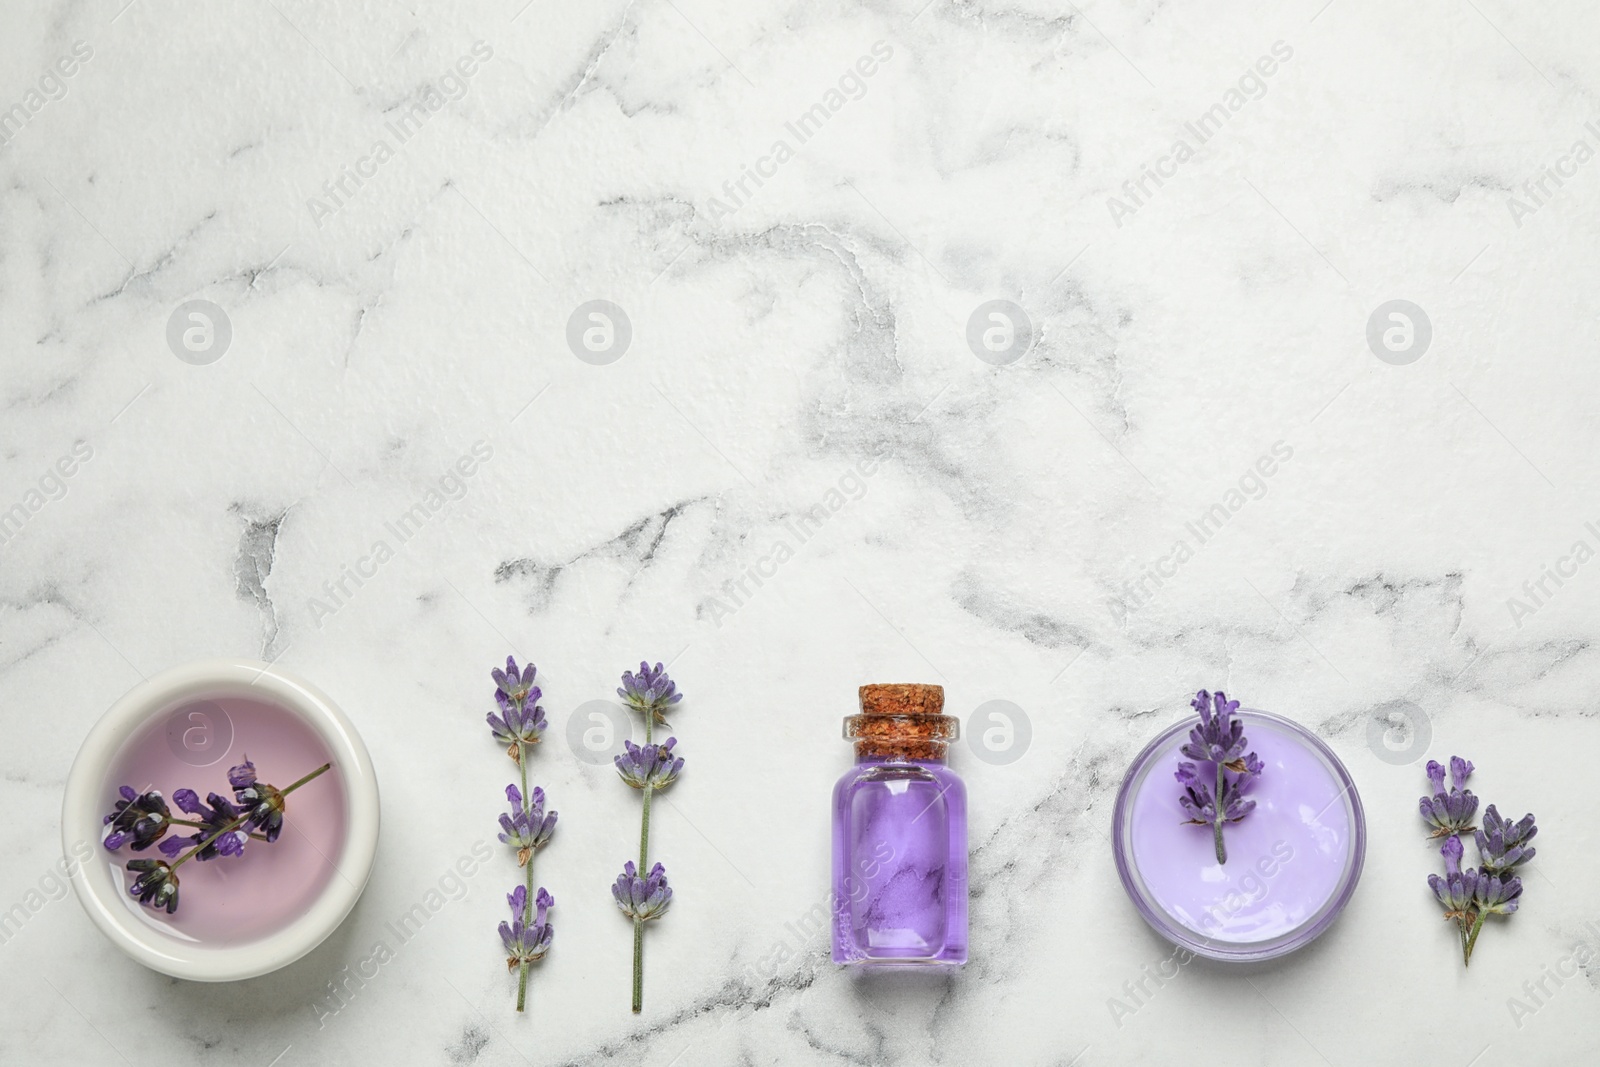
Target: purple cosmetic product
[1292,862]
[241,899]
[900,835]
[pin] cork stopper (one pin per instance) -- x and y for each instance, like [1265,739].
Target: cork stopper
[901,698]
[902,721]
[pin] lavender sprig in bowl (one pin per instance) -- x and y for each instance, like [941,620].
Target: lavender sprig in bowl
[143,819]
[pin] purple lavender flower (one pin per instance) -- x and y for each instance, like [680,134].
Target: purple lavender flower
[1469,895]
[642,898]
[242,776]
[1503,845]
[1449,812]
[263,803]
[156,885]
[218,833]
[527,942]
[1219,737]
[1495,894]
[652,765]
[521,719]
[140,817]
[516,684]
[649,691]
[1214,794]
[526,829]
[1457,888]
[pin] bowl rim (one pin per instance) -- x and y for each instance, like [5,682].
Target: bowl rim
[82,814]
[1215,948]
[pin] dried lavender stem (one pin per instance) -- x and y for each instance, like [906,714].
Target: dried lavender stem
[1216,823]
[290,789]
[527,906]
[644,851]
[1466,952]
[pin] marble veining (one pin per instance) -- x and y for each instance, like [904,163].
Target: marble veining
[802,460]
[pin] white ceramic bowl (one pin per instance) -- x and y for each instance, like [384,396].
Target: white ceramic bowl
[82,814]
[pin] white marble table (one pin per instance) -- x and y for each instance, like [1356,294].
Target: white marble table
[1199,222]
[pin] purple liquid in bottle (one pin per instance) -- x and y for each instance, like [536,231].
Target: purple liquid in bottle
[900,835]
[237,899]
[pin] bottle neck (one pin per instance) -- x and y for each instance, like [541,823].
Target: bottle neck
[866,754]
[916,738]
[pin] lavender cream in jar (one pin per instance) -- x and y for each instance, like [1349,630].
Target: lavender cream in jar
[900,835]
[1264,872]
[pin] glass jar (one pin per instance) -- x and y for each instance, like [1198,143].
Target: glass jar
[900,835]
[1292,865]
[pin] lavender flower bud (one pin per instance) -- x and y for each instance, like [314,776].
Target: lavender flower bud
[215,821]
[653,765]
[156,886]
[1504,845]
[642,898]
[1449,813]
[516,685]
[527,942]
[521,719]
[1219,737]
[650,691]
[1495,894]
[264,803]
[1456,889]
[140,817]
[526,829]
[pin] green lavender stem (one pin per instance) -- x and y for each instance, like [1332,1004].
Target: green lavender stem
[241,820]
[1472,939]
[1216,819]
[644,853]
[527,906]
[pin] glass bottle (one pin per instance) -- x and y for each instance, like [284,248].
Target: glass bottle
[900,835]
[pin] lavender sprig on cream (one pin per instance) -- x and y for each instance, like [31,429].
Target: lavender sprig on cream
[1214,785]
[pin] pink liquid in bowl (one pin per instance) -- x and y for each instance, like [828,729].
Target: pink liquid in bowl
[235,900]
[1292,862]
